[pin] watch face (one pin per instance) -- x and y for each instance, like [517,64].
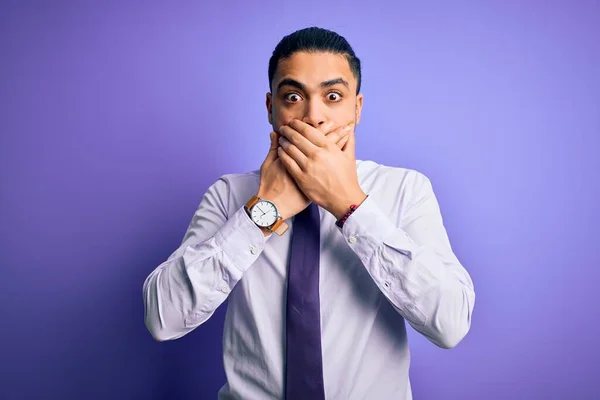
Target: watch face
[264,213]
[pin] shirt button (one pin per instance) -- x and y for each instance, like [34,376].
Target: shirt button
[224,289]
[352,239]
[253,250]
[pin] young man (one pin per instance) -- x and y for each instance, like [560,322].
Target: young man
[322,257]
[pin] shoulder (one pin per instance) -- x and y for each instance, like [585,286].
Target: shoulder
[235,189]
[236,181]
[405,178]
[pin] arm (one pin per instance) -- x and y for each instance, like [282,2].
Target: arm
[185,290]
[415,267]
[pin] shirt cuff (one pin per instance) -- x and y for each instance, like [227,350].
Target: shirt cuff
[241,240]
[368,228]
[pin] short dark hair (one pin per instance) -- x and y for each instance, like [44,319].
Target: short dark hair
[314,39]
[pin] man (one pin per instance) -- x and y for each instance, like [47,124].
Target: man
[322,257]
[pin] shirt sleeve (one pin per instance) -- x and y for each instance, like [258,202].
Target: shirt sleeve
[414,265]
[184,291]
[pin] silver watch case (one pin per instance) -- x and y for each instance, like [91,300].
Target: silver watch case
[266,203]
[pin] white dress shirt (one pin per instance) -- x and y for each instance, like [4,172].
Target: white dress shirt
[391,262]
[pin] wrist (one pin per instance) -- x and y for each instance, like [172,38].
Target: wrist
[341,206]
[278,227]
[275,199]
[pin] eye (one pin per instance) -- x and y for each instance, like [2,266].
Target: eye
[334,96]
[292,97]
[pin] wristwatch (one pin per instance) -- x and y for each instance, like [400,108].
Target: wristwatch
[264,214]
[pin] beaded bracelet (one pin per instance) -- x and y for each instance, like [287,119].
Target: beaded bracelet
[340,222]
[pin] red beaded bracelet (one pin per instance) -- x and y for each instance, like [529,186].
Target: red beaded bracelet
[340,222]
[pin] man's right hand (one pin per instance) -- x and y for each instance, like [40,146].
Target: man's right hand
[278,186]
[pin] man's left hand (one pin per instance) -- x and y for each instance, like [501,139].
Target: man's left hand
[326,174]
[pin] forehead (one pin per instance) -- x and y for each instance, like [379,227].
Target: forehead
[313,68]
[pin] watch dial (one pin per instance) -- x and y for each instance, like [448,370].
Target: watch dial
[264,213]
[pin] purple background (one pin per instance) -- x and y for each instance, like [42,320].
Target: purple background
[115,119]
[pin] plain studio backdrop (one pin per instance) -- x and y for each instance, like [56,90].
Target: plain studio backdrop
[116,118]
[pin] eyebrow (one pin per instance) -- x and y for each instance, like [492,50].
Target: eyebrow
[301,86]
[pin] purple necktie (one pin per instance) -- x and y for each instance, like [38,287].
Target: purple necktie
[304,367]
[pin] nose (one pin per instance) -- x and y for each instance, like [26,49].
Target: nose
[314,114]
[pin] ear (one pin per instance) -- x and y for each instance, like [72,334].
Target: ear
[359,104]
[269,103]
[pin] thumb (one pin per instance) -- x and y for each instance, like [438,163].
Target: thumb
[272,154]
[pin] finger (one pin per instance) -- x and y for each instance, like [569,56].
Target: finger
[312,134]
[326,127]
[335,135]
[297,139]
[294,152]
[289,163]
[342,142]
[350,147]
